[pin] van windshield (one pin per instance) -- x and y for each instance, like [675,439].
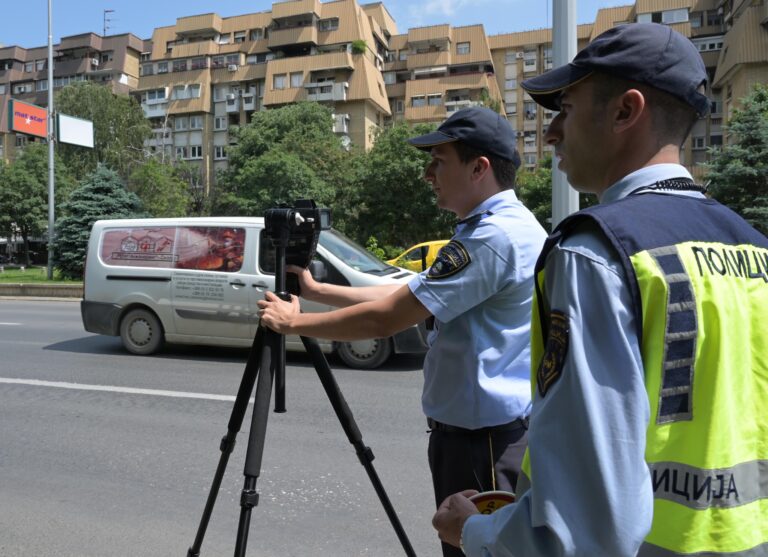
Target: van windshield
[353,254]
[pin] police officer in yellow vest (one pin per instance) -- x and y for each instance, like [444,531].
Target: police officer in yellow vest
[649,430]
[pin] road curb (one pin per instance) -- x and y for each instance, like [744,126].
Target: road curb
[41,290]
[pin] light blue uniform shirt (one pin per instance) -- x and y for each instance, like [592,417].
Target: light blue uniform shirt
[477,369]
[591,492]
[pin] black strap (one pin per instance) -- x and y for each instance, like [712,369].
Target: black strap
[676,184]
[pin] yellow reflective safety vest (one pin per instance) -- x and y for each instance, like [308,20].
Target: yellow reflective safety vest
[698,275]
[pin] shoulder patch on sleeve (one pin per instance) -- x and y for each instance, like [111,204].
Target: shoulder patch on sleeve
[551,366]
[453,257]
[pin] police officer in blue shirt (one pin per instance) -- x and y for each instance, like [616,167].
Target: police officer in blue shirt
[476,372]
[627,102]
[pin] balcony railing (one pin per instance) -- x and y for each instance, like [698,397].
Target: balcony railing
[327,91]
[293,35]
[341,123]
[154,110]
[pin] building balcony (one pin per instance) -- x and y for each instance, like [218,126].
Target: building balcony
[327,91]
[154,109]
[453,106]
[292,36]
[249,102]
[233,103]
[429,59]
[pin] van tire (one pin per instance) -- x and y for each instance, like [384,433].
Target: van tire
[141,332]
[365,354]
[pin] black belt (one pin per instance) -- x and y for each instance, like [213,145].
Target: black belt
[434,425]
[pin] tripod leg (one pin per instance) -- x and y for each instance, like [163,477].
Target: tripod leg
[249,498]
[365,454]
[228,441]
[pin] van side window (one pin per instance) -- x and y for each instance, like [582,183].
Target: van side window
[209,248]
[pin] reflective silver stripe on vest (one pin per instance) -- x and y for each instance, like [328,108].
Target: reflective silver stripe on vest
[650,550]
[699,488]
[676,396]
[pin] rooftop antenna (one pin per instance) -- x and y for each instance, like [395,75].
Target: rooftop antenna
[106,21]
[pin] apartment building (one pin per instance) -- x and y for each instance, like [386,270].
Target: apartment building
[204,75]
[112,61]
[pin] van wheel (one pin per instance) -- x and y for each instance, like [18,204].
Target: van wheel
[141,332]
[365,354]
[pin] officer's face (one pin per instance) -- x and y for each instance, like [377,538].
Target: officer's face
[580,138]
[450,180]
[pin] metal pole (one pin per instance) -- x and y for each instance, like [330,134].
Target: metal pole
[51,138]
[565,200]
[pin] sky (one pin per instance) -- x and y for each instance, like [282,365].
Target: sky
[25,22]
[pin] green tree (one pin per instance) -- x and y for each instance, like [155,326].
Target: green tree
[24,193]
[281,155]
[738,172]
[162,192]
[102,195]
[535,190]
[394,203]
[119,129]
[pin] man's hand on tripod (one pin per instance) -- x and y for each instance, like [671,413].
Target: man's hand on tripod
[276,313]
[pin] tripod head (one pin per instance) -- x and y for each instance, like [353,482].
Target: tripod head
[294,232]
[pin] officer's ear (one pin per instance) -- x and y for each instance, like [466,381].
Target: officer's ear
[628,109]
[481,165]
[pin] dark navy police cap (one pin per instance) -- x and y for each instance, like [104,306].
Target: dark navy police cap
[480,128]
[648,53]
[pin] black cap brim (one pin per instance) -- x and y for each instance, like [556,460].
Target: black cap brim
[546,88]
[426,142]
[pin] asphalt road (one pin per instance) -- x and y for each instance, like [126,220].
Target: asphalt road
[104,453]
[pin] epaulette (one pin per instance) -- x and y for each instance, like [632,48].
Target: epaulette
[472,220]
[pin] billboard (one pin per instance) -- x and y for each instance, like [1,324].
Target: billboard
[74,130]
[28,118]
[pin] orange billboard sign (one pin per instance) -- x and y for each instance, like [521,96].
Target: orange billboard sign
[28,118]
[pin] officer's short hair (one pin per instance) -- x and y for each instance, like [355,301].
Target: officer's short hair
[505,171]
[672,118]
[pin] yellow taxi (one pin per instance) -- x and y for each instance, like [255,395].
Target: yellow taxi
[419,257]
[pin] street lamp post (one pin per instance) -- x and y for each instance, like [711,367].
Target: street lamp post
[51,139]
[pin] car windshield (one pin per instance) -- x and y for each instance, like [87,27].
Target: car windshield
[353,254]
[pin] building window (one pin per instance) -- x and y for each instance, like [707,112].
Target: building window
[233,59]
[278,81]
[180,123]
[399,106]
[511,108]
[418,100]
[194,91]
[196,122]
[462,48]
[220,123]
[695,19]
[162,67]
[41,85]
[530,159]
[199,63]
[179,65]
[257,34]
[714,19]
[29,67]
[39,65]
[297,78]
[21,141]
[716,107]
[219,152]
[510,84]
[674,16]
[146,56]
[510,56]
[2,88]
[403,55]
[196,152]
[530,110]
[181,152]
[330,24]
[147,69]
[390,78]
[224,39]
[716,140]
[239,36]
[155,95]
[434,99]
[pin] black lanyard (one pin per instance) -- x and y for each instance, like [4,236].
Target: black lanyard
[675,184]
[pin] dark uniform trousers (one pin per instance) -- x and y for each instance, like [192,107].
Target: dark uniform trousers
[483,459]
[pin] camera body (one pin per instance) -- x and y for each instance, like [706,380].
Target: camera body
[297,230]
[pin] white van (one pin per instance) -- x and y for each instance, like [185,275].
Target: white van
[197,280]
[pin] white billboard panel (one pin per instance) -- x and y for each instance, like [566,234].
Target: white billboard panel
[74,130]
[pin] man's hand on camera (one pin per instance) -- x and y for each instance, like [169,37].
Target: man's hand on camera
[276,313]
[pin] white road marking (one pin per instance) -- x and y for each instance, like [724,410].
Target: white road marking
[10,323]
[107,388]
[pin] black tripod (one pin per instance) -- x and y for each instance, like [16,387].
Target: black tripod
[266,362]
